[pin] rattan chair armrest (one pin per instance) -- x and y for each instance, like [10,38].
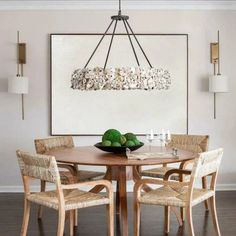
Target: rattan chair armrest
[71,168]
[184,164]
[139,184]
[181,172]
[64,165]
[106,183]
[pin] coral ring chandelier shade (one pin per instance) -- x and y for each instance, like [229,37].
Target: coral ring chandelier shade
[102,78]
[121,78]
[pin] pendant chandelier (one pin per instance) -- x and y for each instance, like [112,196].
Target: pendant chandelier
[122,78]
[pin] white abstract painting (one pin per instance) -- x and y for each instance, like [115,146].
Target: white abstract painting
[92,111]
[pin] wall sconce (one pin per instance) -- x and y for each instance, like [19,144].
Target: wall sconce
[19,83]
[217,82]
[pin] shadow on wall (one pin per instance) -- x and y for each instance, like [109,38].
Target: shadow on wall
[3,85]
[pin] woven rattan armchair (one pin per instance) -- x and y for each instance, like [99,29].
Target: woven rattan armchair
[194,143]
[48,144]
[181,194]
[72,173]
[66,198]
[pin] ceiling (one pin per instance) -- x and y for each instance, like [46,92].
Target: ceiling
[112,4]
[121,0]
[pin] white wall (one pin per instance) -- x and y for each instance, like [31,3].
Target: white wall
[35,27]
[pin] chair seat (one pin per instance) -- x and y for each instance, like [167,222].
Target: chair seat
[167,196]
[83,175]
[74,199]
[159,172]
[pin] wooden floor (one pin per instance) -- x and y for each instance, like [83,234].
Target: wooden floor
[92,221]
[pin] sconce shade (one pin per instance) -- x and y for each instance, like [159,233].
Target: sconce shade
[218,84]
[18,84]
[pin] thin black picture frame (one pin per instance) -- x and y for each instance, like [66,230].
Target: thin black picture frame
[96,34]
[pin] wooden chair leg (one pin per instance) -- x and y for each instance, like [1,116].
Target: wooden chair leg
[204,186]
[189,220]
[61,222]
[167,219]
[117,198]
[110,218]
[177,215]
[214,214]
[76,217]
[72,218]
[25,218]
[42,189]
[182,213]
[136,218]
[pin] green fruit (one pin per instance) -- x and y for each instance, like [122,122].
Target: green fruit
[122,140]
[106,143]
[136,142]
[116,144]
[130,136]
[129,143]
[112,135]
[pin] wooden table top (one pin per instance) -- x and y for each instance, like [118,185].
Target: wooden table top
[90,155]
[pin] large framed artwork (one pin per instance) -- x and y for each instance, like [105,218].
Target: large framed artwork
[79,108]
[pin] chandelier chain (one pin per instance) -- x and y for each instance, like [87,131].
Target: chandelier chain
[109,49]
[128,34]
[138,43]
[119,6]
[98,44]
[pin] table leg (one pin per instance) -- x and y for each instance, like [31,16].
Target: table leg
[107,176]
[117,198]
[123,201]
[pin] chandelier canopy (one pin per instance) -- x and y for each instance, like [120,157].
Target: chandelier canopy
[103,78]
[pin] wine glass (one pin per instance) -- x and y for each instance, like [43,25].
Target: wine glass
[162,138]
[150,138]
[167,138]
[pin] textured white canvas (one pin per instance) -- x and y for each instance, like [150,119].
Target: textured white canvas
[93,112]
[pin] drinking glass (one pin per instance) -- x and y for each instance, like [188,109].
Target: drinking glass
[167,138]
[162,138]
[150,138]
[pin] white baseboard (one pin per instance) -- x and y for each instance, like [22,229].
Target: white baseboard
[19,188]
[226,187]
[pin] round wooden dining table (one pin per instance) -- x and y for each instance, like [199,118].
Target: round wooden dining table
[119,169]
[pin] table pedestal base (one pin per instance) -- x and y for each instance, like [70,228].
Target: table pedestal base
[121,174]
